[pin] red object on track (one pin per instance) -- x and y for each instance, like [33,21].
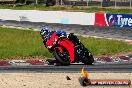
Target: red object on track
[4,63]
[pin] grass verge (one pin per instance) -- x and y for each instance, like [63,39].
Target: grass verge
[68,8]
[24,43]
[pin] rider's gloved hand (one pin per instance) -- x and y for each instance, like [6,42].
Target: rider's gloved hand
[61,33]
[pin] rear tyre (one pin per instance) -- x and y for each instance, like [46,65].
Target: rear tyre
[88,58]
[63,57]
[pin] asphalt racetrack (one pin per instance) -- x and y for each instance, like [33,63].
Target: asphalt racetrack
[105,32]
[125,67]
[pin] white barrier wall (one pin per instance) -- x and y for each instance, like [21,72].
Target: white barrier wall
[48,16]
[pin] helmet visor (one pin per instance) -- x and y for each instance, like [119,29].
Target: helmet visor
[44,36]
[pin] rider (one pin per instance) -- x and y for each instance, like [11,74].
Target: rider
[46,34]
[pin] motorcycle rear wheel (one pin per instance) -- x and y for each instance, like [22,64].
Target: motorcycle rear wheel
[88,58]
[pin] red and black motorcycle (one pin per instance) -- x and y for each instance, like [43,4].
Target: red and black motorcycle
[68,50]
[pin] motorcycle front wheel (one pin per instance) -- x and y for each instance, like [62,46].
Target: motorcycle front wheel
[62,57]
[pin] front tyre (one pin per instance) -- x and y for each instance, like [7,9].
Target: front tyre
[62,57]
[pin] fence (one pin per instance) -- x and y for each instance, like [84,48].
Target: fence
[99,3]
[104,3]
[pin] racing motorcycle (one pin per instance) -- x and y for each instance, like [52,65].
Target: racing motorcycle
[68,50]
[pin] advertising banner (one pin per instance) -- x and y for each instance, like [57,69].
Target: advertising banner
[118,20]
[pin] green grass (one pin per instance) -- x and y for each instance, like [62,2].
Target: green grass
[67,8]
[14,42]
[105,46]
[24,43]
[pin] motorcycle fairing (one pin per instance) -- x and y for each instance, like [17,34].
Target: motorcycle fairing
[51,40]
[69,46]
[63,42]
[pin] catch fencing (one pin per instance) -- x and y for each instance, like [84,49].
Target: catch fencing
[100,3]
[97,3]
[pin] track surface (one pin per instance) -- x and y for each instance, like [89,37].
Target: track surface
[117,67]
[105,32]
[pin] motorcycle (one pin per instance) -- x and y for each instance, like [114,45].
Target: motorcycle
[68,50]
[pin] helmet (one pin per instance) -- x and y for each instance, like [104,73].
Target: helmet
[44,32]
